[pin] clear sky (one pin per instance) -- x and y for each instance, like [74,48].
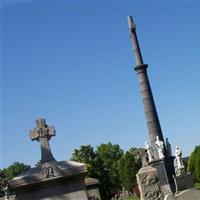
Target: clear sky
[72,63]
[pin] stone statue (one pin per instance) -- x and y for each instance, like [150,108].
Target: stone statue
[149,151]
[160,147]
[168,147]
[7,193]
[179,160]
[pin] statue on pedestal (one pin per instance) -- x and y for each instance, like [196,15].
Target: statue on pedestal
[179,159]
[149,151]
[159,144]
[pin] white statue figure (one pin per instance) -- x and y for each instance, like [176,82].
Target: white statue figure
[168,147]
[6,191]
[149,152]
[160,147]
[179,160]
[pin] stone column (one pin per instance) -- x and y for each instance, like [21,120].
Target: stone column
[151,115]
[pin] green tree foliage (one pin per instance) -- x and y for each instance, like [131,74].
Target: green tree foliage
[15,169]
[2,182]
[87,155]
[194,163]
[110,155]
[10,172]
[101,164]
[130,163]
[197,165]
[111,166]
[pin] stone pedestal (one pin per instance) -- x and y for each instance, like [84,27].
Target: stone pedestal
[165,170]
[92,189]
[52,180]
[149,184]
[183,181]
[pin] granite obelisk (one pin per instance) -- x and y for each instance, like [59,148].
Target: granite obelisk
[163,164]
[151,115]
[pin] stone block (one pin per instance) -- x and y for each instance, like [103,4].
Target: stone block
[149,184]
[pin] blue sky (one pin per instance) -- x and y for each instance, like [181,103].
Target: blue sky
[72,63]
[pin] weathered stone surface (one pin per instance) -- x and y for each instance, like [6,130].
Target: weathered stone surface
[149,184]
[151,115]
[92,189]
[183,181]
[52,180]
[165,172]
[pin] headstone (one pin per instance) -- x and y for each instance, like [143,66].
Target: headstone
[149,184]
[53,180]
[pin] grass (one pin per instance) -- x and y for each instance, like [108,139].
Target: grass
[131,198]
[197,185]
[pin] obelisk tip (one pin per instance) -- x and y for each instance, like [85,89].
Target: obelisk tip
[131,24]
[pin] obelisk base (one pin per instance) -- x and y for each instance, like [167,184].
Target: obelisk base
[165,170]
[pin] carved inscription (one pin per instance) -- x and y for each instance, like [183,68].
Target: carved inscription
[43,132]
[48,171]
[149,185]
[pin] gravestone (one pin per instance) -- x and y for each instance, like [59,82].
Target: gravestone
[53,180]
[149,184]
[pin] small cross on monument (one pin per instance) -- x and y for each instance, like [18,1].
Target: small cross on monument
[43,134]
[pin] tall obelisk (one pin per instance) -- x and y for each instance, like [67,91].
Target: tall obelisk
[151,115]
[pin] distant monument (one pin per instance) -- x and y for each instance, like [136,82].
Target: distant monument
[157,180]
[52,180]
[162,162]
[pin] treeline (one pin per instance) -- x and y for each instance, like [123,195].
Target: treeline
[114,168]
[194,164]
[10,172]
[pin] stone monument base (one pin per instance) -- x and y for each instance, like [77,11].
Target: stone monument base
[165,170]
[149,184]
[64,180]
[183,181]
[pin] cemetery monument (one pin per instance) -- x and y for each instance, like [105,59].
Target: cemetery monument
[160,178]
[53,180]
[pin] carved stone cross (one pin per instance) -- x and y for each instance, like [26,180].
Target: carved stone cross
[43,134]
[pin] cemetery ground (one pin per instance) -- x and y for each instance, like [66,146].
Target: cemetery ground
[131,198]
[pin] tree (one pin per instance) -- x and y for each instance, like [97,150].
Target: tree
[87,155]
[10,172]
[103,165]
[2,182]
[95,167]
[130,163]
[194,163]
[15,169]
[110,155]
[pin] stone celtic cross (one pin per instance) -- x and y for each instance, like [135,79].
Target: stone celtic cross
[43,134]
